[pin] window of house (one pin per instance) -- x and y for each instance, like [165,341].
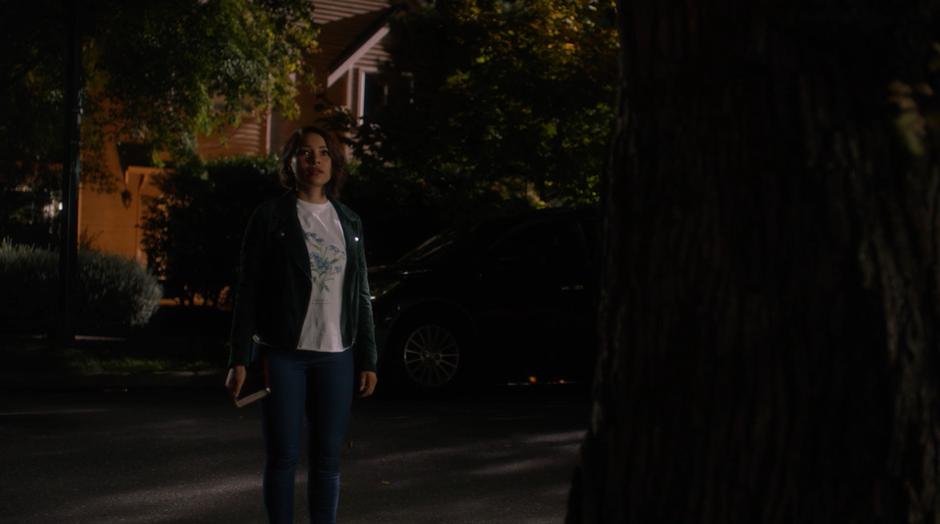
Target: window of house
[377,92]
[374,94]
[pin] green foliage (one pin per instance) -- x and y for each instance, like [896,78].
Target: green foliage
[25,218]
[192,232]
[111,291]
[496,101]
[155,72]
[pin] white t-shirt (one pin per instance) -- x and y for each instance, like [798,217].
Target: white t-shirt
[326,246]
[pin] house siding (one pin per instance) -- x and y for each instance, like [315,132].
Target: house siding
[329,11]
[374,59]
[249,138]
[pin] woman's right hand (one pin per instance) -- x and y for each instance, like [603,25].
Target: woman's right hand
[235,380]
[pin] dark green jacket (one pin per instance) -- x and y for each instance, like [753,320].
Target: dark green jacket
[274,284]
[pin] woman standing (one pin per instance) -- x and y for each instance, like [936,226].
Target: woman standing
[303,303]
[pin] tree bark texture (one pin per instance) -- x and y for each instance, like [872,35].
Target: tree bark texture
[769,313]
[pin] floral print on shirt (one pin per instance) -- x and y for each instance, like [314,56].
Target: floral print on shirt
[324,261]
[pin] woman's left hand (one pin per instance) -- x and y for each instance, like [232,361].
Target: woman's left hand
[367,382]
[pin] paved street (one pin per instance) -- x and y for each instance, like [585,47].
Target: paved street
[160,456]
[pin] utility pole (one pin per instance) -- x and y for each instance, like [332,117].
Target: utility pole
[71,166]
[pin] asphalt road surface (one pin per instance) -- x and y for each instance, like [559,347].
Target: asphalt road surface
[159,456]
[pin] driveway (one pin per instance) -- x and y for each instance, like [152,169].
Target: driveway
[497,455]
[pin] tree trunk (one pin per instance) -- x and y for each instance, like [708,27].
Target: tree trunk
[769,310]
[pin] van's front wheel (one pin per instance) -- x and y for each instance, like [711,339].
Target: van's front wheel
[429,355]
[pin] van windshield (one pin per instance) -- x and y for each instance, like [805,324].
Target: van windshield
[434,248]
[471,238]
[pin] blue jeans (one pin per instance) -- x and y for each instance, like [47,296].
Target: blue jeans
[321,385]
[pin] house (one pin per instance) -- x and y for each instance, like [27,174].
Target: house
[352,48]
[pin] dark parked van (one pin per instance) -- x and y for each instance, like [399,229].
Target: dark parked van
[504,298]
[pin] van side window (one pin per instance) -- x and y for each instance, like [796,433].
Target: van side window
[545,247]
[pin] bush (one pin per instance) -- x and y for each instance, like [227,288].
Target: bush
[192,232]
[110,292]
[114,291]
[28,277]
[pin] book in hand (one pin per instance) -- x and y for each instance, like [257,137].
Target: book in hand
[256,385]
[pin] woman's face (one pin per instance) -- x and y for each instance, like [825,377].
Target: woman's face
[312,163]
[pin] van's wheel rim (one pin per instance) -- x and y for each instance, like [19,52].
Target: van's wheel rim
[431,355]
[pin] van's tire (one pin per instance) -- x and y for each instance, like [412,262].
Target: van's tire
[428,354]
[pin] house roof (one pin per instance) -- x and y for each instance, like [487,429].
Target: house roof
[345,40]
